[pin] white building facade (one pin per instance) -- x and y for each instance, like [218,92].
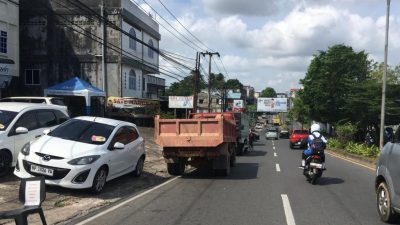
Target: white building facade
[139,61]
[9,41]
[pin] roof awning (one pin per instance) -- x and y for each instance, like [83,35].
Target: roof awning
[6,61]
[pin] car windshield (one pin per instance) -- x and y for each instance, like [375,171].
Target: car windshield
[272,131]
[5,118]
[300,132]
[83,131]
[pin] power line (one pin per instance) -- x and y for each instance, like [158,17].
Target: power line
[122,31]
[172,26]
[109,45]
[184,26]
[120,49]
[227,74]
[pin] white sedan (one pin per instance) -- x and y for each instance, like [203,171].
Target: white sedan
[84,152]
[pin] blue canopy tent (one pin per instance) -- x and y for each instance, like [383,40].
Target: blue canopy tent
[76,87]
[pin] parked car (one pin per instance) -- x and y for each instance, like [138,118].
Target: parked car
[84,152]
[298,138]
[271,134]
[387,182]
[21,123]
[284,134]
[34,99]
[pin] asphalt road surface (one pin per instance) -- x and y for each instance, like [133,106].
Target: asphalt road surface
[266,187]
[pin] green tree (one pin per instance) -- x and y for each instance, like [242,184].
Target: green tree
[185,87]
[331,78]
[299,112]
[217,82]
[233,84]
[268,92]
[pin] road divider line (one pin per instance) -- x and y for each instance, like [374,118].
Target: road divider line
[126,201]
[349,160]
[273,147]
[288,210]
[275,154]
[278,168]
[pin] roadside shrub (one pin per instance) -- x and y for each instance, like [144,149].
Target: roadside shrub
[345,132]
[335,143]
[362,149]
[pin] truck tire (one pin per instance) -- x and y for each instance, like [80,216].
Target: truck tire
[232,161]
[240,149]
[176,168]
[225,172]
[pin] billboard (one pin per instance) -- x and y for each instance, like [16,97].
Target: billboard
[272,105]
[238,105]
[180,102]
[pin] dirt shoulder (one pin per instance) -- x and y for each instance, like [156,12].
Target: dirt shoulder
[62,205]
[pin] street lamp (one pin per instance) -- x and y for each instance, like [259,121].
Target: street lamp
[384,78]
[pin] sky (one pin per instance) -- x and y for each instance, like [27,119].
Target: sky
[270,43]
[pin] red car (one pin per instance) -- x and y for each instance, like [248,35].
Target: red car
[298,138]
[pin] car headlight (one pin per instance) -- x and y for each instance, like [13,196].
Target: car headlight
[84,160]
[26,149]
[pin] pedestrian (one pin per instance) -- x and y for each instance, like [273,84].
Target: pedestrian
[251,139]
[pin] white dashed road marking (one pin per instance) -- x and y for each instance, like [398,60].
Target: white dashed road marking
[275,154]
[278,168]
[273,147]
[288,210]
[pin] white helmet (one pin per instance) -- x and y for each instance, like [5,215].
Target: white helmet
[315,127]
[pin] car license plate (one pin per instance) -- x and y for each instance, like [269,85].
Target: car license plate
[42,170]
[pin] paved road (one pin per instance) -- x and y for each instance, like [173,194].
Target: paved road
[256,193]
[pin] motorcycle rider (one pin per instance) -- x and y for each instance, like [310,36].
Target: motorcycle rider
[315,133]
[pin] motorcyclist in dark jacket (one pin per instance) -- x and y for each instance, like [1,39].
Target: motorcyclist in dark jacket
[315,133]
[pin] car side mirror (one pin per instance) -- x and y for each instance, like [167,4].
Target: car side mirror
[21,130]
[118,146]
[46,132]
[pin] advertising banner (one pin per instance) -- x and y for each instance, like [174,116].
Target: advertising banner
[272,105]
[238,105]
[180,102]
[132,107]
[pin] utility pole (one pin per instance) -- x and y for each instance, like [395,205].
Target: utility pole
[381,132]
[210,54]
[104,47]
[196,82]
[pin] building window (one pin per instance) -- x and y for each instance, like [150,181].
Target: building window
[132,42]
[151,52]
[3,42]
[144,83]
[132,80]
[32,77]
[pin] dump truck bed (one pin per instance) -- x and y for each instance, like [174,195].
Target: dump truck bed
[203,130]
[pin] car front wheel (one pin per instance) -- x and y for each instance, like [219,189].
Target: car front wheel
[139,167]
[99,180]
[5,163]
[384,203]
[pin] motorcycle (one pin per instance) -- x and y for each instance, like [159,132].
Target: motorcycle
[314,167]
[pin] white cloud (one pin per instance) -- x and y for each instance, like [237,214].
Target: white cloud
[279,50]
[240,7]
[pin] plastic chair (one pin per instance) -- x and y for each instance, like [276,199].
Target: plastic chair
[28,187]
